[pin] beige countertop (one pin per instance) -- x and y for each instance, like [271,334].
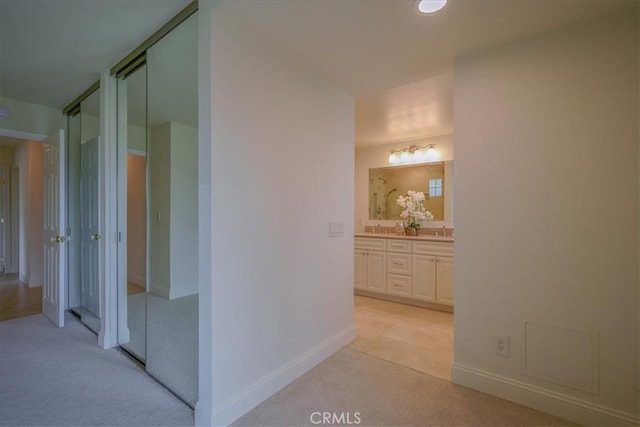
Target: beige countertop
[395,236]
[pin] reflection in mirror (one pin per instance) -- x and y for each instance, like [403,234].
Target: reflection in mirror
[133,113]
[432,179]
[89,231]
[73,214]
[172,298]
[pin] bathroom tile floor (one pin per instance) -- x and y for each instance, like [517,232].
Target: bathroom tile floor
[415,337]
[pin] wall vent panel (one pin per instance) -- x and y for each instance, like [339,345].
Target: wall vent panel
[562,356]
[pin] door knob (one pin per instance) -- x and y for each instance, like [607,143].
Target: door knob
[58,239]
[95,236]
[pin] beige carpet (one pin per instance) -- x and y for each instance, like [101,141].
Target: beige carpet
[60,377]
[386,394]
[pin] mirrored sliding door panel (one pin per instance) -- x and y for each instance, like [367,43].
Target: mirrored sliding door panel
[132,134]
[172,146]
[88,212]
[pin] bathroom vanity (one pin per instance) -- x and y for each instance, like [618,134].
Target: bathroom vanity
[416,270]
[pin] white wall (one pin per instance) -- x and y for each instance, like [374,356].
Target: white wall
[184,211]
[173,194]
[159,209]
[30,118]
[136,138]
[378,156]
[546,150]
[281,297]
[29,158]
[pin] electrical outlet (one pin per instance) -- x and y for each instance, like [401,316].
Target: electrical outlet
[502,346]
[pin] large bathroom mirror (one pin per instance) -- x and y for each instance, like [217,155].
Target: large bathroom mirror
[433,179]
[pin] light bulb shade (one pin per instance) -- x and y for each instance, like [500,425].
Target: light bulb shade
[419,155]
[393,158]
[431,6]
[405,157]
[432,154]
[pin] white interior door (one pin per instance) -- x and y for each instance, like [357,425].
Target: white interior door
[53,292]
[89,233]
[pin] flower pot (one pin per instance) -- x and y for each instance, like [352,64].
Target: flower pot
[410,231]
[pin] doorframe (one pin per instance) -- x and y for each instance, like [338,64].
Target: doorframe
[108,211]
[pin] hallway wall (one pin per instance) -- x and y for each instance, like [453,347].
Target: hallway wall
[32,118]
[546,150]
[281,156]
[30,158]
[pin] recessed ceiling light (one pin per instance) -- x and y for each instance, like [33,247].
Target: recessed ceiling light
[431,6]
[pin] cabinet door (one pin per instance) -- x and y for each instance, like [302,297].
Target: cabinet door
[424,278]
[444,280]
[360,269]
[377,272]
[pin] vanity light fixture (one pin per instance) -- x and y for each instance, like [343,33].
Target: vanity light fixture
[431,6]
[414,154]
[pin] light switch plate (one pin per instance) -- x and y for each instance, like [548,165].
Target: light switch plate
[336,229]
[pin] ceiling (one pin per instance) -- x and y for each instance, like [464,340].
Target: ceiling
[51,50]
[418,110]
[395,61]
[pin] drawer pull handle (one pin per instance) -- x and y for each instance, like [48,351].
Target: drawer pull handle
[396,246]
[398,263]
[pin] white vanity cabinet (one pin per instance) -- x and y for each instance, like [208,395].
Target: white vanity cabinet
[444,280]
[370,265]
[417,270]
[433,272]
[424,274]
[399,268]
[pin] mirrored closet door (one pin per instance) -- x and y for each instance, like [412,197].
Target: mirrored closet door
[132,132]
[83,232]
[158,160]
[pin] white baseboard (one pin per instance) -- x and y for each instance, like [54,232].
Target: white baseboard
[549,401]
[161,291]
[230,410]
[202,415]
[137,279]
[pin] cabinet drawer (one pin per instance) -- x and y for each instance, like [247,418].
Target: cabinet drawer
[400,246]
[399,285]
[369,244]
[399,263]
[433,248]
